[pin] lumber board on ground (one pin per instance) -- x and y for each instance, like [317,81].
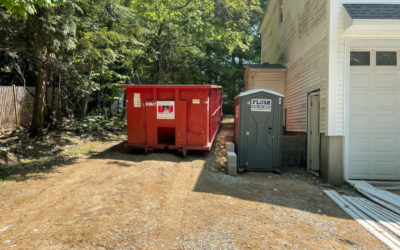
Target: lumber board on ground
[364,220]
[384,198]
[375,215]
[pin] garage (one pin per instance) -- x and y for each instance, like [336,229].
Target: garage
[374,114]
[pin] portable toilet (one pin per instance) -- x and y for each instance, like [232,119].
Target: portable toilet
[258,130]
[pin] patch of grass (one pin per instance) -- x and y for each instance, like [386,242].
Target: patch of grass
[2,184]
[45,163]
[84,149]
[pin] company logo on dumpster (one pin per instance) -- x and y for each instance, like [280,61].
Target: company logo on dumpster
[261,105]
[165,110]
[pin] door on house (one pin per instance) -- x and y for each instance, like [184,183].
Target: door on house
[313,134]
[374,115]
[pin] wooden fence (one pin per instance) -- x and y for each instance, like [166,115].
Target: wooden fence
[15,106]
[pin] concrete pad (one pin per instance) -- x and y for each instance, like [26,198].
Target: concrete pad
[232,164]
[230,146]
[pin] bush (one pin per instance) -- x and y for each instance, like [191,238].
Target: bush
[97,123]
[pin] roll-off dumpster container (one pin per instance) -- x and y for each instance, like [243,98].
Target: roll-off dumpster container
[182,117]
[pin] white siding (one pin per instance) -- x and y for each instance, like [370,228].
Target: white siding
[301,43]
[338,60]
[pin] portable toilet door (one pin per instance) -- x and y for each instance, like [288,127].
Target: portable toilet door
[259,130]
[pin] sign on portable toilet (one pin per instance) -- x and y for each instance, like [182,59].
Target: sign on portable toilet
[258,130]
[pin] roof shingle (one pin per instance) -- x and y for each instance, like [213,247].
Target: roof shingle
[373,11]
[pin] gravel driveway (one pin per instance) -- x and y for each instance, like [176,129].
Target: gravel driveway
[118,198]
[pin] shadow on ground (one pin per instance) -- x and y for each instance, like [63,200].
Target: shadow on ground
[119,153]
[20,146]
[294,188]
[34,170]
[23,157]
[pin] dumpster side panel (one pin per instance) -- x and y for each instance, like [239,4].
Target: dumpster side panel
[181,124]
[136,115]
[165,94]
[215,111]
[196,116]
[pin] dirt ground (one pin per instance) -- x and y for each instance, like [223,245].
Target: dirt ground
[116,198]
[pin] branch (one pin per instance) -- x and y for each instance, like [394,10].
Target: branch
[19,71]
[183,6]
[12,49]
[178,45]
[21,74]
[153,41]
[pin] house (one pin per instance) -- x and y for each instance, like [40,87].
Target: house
[341,64]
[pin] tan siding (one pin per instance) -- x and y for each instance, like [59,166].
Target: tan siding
[270,34]
[271,81]
[247,79]
[301,43]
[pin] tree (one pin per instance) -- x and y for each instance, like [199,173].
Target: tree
[41,36]
[88,47]
[24,8]
[188,27]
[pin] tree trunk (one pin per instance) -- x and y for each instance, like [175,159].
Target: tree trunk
[59,99]
[36,128]
[86,98]
[153,42]
[85,103]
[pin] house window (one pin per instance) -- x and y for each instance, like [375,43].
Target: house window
[360,58]
[280,11]
[384,58]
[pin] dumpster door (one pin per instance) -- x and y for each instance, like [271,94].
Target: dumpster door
[259,126]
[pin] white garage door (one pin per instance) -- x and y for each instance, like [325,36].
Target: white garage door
[374,138]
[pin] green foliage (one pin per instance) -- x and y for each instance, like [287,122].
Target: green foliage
[87,48]
[23,8]
[96,123]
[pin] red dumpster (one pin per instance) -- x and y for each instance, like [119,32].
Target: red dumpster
[182,117]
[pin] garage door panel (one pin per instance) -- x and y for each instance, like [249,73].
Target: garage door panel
[384,145]
[361,101]
[374,126]
[359,156]
[360,144]
[387,80]
[359,168]
[386,122]
[361,80]
[384,168]
[386,101]
[360,124]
